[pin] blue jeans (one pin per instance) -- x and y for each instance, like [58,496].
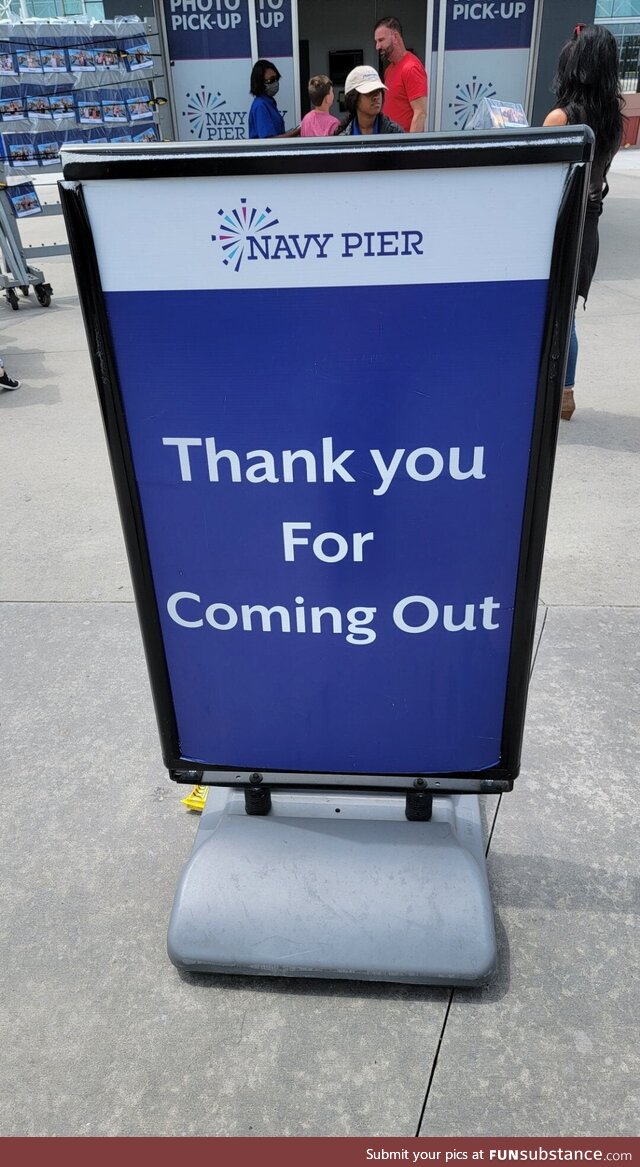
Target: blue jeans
[572,359]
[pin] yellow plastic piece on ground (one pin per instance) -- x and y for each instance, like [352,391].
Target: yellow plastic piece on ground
[196,799]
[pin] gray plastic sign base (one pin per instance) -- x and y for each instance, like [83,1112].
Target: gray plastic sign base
[336,885]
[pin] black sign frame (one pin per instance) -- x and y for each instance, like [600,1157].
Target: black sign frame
[570,145]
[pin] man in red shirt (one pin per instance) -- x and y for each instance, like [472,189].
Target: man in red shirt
[405,78]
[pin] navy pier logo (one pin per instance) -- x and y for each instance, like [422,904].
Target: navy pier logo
[246,234]
[238,228]
[467,100]
[208,118]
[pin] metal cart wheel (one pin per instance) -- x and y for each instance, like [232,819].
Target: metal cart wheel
[44,293]
[12,298]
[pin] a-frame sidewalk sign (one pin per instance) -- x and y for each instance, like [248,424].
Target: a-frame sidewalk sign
[330,373]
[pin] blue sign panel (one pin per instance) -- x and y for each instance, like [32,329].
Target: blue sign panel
[334,524]
[333,506]
[489,24]
[275,37]
[202,30]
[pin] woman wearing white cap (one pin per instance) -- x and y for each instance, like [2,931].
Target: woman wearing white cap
[363,94]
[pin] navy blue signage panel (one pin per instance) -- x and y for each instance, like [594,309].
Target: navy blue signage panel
[489,24]
[343,542]
[336,395]
[273,19]
[216,30]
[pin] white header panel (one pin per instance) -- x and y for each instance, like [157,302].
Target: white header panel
[326,230]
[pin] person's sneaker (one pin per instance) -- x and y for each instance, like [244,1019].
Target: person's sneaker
[7,382]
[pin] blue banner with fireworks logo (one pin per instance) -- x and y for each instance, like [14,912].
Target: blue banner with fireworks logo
[210,55]
[485,55]
[211,62]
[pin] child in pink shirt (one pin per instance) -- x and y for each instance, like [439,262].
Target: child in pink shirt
[319,123]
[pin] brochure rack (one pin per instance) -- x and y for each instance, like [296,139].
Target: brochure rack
[68,82]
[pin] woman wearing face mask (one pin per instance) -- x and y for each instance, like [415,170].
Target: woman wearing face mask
[265,119]
[363,95]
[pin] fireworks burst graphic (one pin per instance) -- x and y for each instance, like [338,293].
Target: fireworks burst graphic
[200,106]
[467,100]
[236,225]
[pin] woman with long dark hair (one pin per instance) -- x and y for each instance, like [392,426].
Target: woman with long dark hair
[587,89]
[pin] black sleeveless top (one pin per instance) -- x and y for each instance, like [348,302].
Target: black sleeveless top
[601,160]
[598,189]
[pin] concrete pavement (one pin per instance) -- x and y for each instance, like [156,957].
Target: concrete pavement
[101,1035]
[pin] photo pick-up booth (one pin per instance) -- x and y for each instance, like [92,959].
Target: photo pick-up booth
[330,373]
